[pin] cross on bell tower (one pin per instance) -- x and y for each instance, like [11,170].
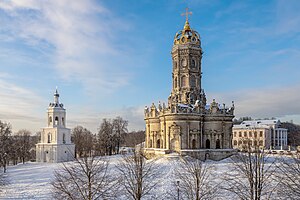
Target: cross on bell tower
[186,14]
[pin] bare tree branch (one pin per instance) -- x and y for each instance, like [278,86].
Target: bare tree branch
[289,177]
[86,179]
[195,180]
[137,175]
[252,174]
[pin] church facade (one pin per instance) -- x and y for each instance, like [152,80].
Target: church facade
[55,145]
[188,125]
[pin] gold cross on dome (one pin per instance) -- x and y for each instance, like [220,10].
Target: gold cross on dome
[187,13]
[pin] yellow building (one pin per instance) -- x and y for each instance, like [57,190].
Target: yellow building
[273,136]
[251,137]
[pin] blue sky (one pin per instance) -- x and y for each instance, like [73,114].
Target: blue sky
[111,58]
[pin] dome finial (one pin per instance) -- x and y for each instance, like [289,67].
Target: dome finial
[56,96]
[186,14]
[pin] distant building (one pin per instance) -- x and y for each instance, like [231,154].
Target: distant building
[265,134]
[55,145]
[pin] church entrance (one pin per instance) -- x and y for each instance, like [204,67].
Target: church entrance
[218,145]
[207,144]
[158,143]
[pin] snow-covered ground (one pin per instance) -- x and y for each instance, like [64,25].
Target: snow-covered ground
[32,180]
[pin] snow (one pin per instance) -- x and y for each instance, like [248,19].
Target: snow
[32,180]
[29,181]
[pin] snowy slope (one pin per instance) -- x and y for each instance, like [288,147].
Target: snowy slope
[32,180]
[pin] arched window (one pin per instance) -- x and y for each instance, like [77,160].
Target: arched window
[63,121]
[175,82]
[235,142]
[184,81]
[193,144]
[49,138]
[158,143]
[218,144]
[64,138]
[56,121]
[207,144]
[193,63]
[50,119]
[193,81]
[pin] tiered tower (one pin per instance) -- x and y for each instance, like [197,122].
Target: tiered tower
[55,145]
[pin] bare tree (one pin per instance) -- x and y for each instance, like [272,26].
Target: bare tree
[289,177]
[83,140]
[194,180]
[137,175]
[23,145]
[251,175]
[84,179]
[5,146]
[105,142]
[120,129]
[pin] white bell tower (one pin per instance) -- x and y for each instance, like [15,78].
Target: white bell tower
[55,144]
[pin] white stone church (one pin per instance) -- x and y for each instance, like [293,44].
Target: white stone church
[187,124]
[55,145]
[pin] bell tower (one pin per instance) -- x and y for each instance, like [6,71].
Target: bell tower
[55,144]
[186,73]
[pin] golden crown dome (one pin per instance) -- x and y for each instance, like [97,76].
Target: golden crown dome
[187,35]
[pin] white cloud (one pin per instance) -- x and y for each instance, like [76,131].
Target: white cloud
[82,37]
[264,102]
[20,106]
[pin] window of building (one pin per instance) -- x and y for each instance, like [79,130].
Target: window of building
[234,133]
[64,138]
[175,82]
[261,143]
[255,143]
[250,134]
[240,134]
[218,144]
[49,138]
[150,144]
[158,143]
[240,142]
[63,121]
[50,119]
[193,63]
[250,142]
[184,81]
[255,134]
[207,144]
[193,144]
[235,142]
[245,134]
[260,133]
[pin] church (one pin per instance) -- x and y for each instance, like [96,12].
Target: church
[55,145]
[187,124]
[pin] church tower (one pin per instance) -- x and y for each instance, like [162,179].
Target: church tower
[55,145]
[186,73]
